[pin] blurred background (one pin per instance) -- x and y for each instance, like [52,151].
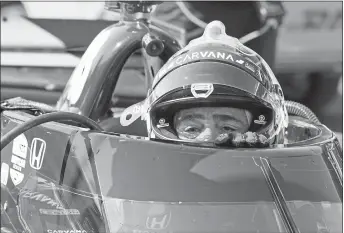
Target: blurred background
[42,42]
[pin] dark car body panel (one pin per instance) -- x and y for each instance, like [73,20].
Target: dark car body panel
[82,170]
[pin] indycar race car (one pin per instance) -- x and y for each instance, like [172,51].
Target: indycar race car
[42,42]
[74,168]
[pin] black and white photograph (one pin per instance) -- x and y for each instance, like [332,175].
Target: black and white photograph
[171,116]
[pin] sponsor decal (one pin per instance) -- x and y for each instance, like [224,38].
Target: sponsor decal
[41,198]
[16,176]
[202,90]
[185,58]
[4,173]
[137,109]
[59,211]
[261,120]
[240,62]
[18,159]
[18,168]
[158,222]
[66,231]
[37,153]
[132,113]
[162,123]
[20,145]
[204,54]
[211,55]
[250,67]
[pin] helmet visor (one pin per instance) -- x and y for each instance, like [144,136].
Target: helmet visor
[180,115]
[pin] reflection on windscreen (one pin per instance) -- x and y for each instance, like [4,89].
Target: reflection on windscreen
[140,217]
[132,216]
[324,217]
[151,188]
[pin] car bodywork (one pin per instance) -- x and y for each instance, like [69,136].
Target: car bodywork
[61,178]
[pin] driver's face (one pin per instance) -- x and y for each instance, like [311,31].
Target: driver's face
[206,123]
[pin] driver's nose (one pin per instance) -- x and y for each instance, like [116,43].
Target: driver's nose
[206,136]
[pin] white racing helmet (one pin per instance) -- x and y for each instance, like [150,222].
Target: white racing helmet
[216,70]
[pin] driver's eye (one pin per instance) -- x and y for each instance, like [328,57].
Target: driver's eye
[227,128]
[191,129]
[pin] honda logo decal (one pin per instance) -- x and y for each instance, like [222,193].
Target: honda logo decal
[37,152]
[158,222]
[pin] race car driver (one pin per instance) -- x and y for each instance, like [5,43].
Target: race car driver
[216,90]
